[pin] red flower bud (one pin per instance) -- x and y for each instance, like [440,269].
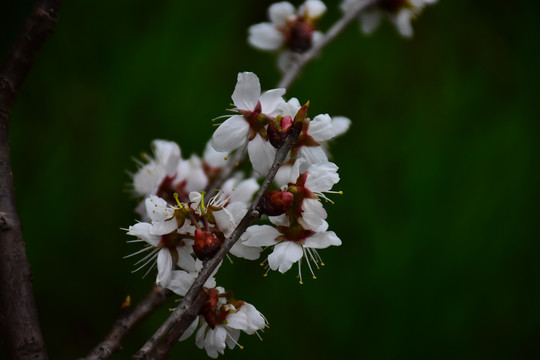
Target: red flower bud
[276,202]
[206,244]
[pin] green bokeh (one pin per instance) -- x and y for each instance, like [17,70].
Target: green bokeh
[439,172]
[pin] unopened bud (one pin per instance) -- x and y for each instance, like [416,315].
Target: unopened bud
[300,36]
[276,202]
[206,244]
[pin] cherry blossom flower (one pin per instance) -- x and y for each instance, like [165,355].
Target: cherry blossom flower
[311,145]
[167,173]
[249,126]
[221,321]
[399,12]
[167,243]
[148,178]
[289,30]
[291,243]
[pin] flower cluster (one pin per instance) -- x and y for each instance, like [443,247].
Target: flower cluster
[181,227]
[191,207]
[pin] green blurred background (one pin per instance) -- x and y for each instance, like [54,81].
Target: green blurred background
[439,219]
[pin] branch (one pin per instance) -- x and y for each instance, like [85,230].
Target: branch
[303,59]
[174,327]
[126,322]
[18,314]
[171,330]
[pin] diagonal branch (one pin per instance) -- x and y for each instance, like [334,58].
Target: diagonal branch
[126,322]
[18,314]
[303,59]
[189,307]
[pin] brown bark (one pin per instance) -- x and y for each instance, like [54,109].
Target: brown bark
[19,321]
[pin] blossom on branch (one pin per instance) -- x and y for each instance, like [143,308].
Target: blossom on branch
[221,320]
[399,12]
[249,126]
[289,30]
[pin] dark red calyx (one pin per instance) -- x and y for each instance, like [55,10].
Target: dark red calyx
[278,129]
[295,232]
[276,202]
[299,35]
[206,244]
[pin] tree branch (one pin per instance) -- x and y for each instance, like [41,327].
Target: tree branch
[126,322]
[174,327]
[171,330]
[303,59]
[18,314]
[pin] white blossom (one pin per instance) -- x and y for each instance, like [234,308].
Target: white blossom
[252,107]
[399,12]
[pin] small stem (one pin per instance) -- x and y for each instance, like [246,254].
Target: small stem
[128,321]
[303,59]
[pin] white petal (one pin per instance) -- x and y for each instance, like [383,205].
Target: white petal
[281,220]
[322,177]
[261,154]
[191,328]
[193,172]
[340,124]
[316,37]
[313,9]
[322,240]
[142,231]
[233,337]
[214,341]
[238,210]
[370,20]
[164,227]
[147,179]
[168,154]
[311,155]
[231,134]
[289,108]
[265,36]
[245,190]
[271,100]
[225,221]
[320,128]
[313,213]
[260,235]
[181,281]
[403,22]
[199,337]
[284,255]
[283,176]
[164,266]
[246,92]
[185,260]
[237,320]
[255,318]
[280,12]
[158,209]
[214,158]
[245,252]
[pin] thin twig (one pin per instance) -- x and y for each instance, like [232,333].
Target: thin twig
[303,59]
[126,322]
[173,326]
[18,314]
